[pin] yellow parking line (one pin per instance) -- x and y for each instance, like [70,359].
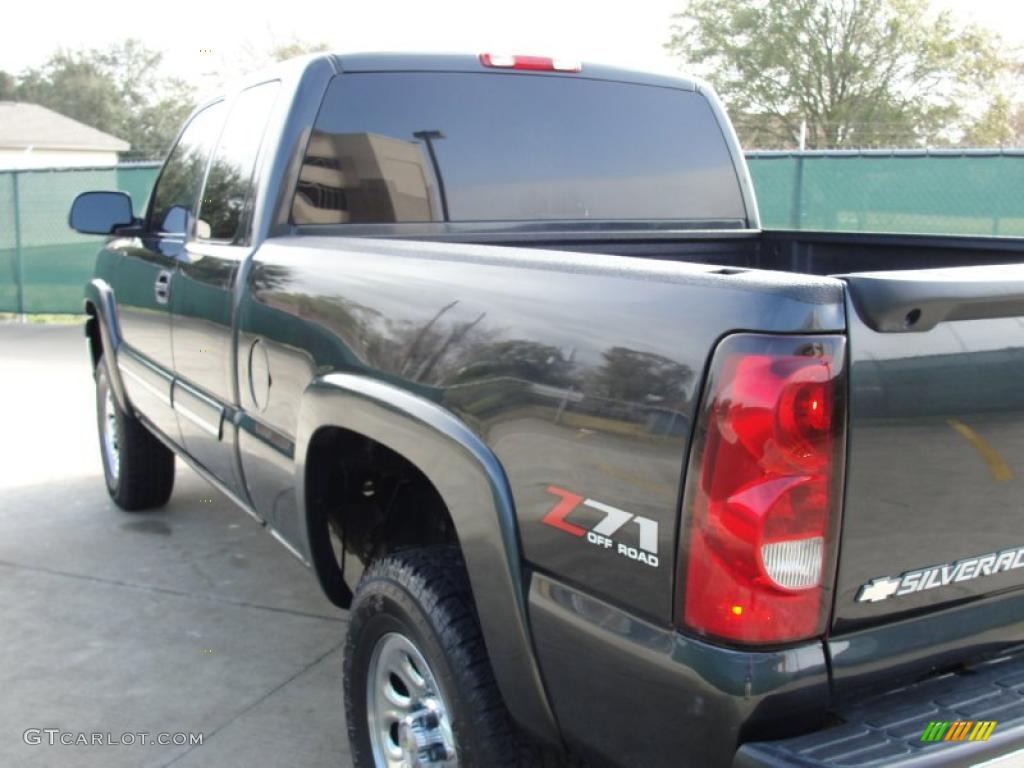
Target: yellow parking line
[996,464]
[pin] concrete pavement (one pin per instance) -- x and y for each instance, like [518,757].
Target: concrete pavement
[190,619]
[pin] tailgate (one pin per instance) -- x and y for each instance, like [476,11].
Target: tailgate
[934,506]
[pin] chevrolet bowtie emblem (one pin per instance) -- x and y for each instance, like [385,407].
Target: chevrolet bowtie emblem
[878,589]
[942,575]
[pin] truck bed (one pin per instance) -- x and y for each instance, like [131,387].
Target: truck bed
[808,253]
[935,453]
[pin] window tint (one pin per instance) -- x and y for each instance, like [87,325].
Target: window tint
[178,186]
[402,147]
[226,193]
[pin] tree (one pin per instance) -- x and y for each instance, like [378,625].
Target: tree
[289,50]
[1002,123]
[996,127]
[859,73]
[8,86]
[119,90]
[253,57]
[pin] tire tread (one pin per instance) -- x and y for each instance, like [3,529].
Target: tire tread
[436,580]
[146,473]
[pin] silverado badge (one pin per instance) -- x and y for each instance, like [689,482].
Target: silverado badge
[942,575]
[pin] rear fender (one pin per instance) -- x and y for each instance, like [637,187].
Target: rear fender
[475,490]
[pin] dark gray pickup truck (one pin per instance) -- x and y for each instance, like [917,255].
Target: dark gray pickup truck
[602,471]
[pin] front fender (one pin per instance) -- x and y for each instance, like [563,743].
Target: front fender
[100,296]
[475,490]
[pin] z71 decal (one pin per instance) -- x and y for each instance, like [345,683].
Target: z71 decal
[601,534]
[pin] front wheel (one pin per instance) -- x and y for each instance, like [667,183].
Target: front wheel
[138,468]
[419,690]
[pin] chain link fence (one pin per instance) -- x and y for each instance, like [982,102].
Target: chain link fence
[44,265]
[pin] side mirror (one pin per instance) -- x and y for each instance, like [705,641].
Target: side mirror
[176,220]
[100,213]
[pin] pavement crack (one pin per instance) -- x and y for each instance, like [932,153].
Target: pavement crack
[257,702]
[167,591]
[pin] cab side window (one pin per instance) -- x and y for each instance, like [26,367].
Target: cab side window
[174,198]
[228,191]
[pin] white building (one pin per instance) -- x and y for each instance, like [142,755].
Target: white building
[32,136]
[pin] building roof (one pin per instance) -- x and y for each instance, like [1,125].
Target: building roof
[24,125]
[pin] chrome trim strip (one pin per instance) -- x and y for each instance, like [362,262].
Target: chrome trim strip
[214,430]
[234,497]
[288,546]
[239,501]
[203,473]
[198,420]
[163,397]
[200,396]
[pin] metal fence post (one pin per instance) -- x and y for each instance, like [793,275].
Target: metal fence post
[18,266]
[797,203]
[996,211]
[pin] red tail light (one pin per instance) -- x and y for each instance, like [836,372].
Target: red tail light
[534,63]
[763,489]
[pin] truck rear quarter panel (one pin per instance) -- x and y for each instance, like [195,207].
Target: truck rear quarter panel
[580,372]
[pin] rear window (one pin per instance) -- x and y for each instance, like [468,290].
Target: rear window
[412,147]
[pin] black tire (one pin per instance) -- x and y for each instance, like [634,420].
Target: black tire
[424,595]
[144,477]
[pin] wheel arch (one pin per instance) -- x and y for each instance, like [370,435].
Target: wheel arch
[104,333]
[472,484]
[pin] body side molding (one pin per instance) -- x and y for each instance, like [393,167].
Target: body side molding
[473,485]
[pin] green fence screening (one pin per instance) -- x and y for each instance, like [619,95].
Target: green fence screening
[963,192]
[44,265]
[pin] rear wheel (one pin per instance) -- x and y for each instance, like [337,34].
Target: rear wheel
[138,468]
[407,712]
[419,690]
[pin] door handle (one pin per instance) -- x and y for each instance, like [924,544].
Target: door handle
[162,288]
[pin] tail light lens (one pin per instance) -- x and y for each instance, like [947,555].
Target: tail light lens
[763,490]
